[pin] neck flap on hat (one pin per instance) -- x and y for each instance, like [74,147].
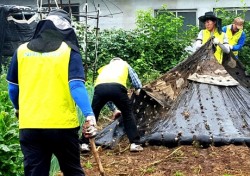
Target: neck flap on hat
[48,38]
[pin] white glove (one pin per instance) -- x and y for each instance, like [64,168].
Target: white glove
[216,41]
[89,128]
[137,92]
[91,120]
[198,44]
[231,47]
[89,131]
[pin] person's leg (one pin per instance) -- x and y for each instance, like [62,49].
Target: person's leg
[99,99]
[123,103]
[66,149]
[37,155]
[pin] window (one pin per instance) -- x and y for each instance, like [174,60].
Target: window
[240,11]
[189,16]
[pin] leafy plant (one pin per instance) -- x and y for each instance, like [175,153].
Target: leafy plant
[88,165]
[178,173]
[10,152]
[155,46]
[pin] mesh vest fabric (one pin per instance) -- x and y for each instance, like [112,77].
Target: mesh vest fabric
[44,98]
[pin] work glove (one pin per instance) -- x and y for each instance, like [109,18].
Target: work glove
[91,120]
[216,41]
[89,127]
[116,114]
[137,92]
[198,44]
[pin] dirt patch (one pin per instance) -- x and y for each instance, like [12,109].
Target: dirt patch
[179,161]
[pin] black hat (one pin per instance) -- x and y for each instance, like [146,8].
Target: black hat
[60,12]
[208,16]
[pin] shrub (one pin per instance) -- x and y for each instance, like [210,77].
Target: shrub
[10,152]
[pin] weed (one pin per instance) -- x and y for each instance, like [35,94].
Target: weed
[178,173]
[88,165]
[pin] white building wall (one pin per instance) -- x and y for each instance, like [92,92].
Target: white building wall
[127,18]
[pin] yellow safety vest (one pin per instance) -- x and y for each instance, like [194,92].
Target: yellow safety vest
[233,39]
[207,35]
[114,72]
[44,95]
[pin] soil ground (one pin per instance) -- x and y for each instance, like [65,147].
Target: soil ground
[230,160]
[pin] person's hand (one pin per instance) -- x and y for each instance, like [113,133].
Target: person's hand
[116,114]
[231,47]
[216,41]
[137,92]
[89,127]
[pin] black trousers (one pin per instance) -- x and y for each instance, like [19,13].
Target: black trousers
[38,145]
[116,93]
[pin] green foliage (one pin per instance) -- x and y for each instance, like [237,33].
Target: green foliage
[155,46]
[161,40]
[88,165]
[54,166]
[178,173]
[10,152]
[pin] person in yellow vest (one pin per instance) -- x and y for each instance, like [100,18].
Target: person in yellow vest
[111,86]
[45,80]
[213,30]
[235,35]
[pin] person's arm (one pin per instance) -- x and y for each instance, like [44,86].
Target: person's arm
[198,42]
[12,79]
[240,43]
[224,46]
[80,96]
[136,82]
[79,92]
[113,108]
[13,90]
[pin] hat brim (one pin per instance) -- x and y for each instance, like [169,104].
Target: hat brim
[208,17]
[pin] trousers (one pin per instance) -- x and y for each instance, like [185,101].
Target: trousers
[118,94]
[38,146]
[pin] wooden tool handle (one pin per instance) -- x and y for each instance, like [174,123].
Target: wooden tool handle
[96,155]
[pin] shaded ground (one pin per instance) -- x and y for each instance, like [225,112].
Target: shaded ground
[179,161]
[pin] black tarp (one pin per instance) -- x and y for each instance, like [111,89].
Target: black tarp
[177,110]
[17,26]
